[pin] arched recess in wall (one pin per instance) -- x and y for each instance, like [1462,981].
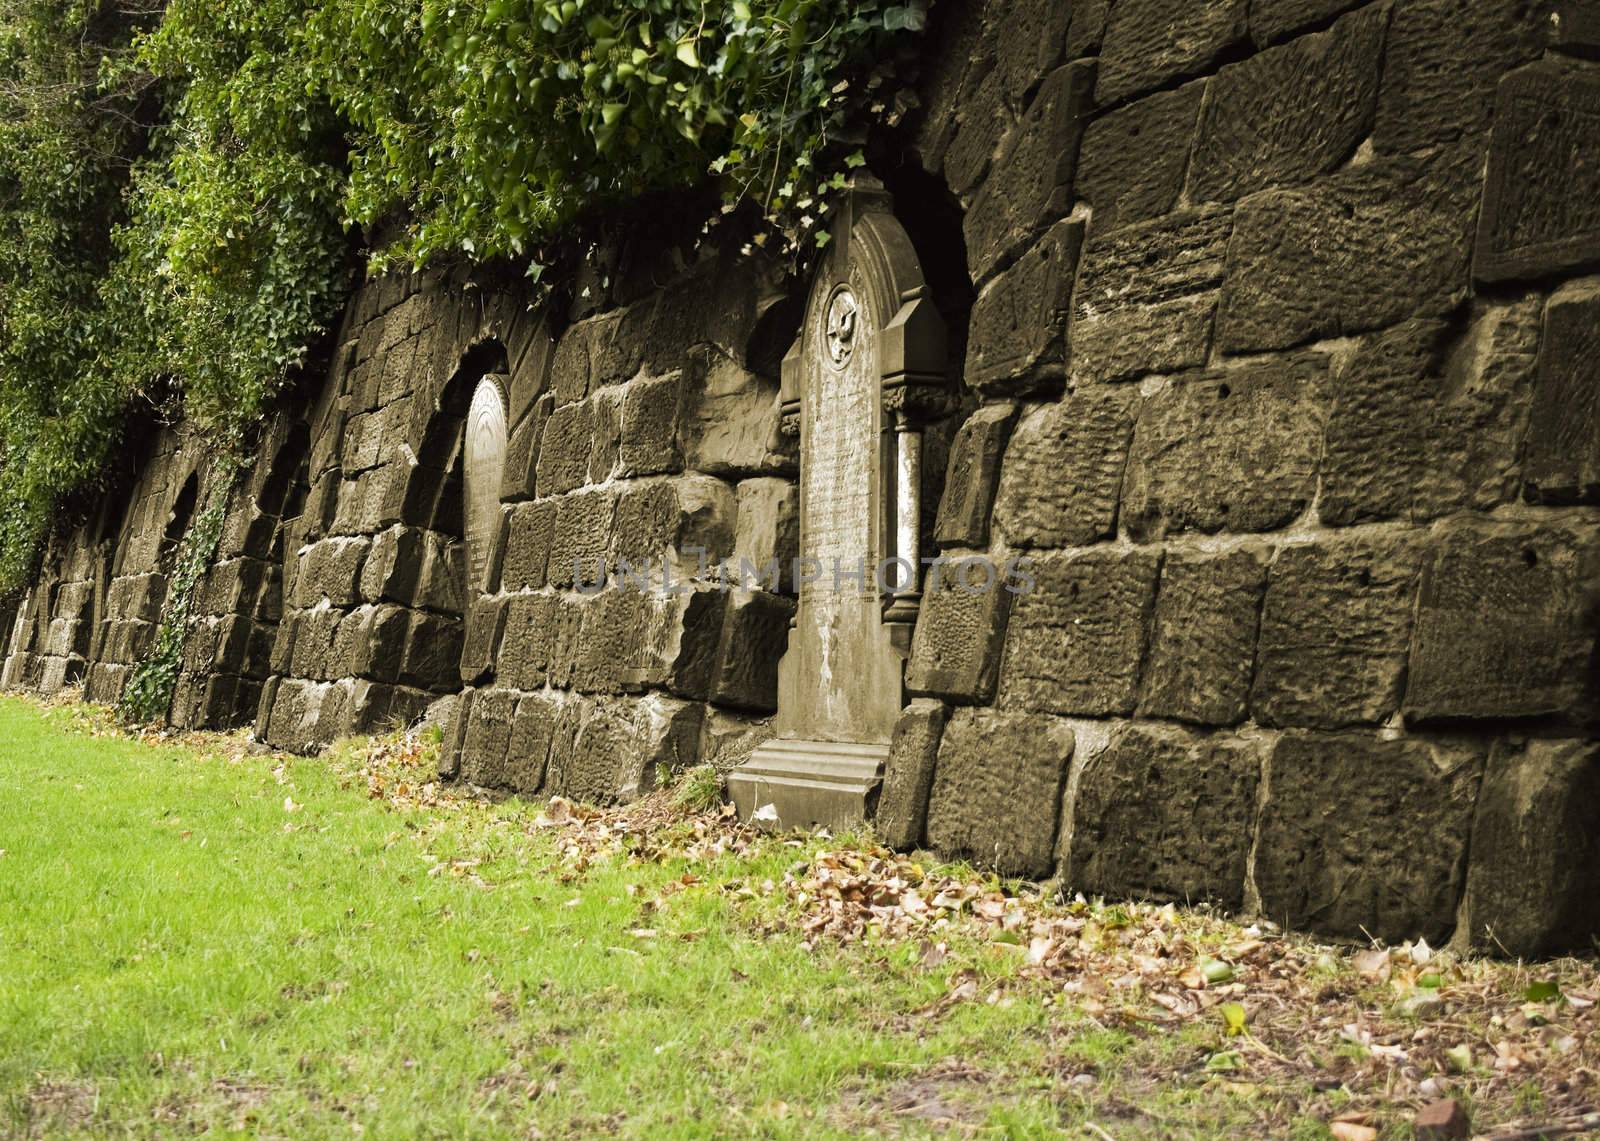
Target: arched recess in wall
[935,222]
[437,490]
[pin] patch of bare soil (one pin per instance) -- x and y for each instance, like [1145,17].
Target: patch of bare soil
[51,1108]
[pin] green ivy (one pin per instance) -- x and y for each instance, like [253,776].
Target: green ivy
[147,696]
[187,196]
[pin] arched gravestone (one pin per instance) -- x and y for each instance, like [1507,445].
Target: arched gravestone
[866,373]
[483,465]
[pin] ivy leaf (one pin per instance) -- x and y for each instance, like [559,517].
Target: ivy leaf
[686,53]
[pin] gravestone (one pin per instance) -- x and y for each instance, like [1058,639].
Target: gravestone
[483,466]
[866,373]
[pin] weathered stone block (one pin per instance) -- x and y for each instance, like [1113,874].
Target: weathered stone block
[1502,627]
[1563,460]
[1274,20]
[380,642]
[1017,339]
[614,642]
[1063,470]
[1362,249]
[1030,182]
[333,571]
[1164,814]
[973,475]
[982,121]
[1149,43]
[1366,838]
[564,452]
[955,651]
[1077,638]
[530,530]
[533,729]
[1147,294]
[433,650]
[582,538]
[1379,431]
[519,480]
[1029,37]
[444,576]
[908,776]
[607,435]
[1539,208]
[649,443]
[767,531]
[603,748]
[1202,647]
[1533,885]
[1334,633]
[528,642]
[569,366]
[1232,450]
[1290,113]
[729,420]
[1133,161]
[671,520]
[755,633]
[1441,65]
[668,738]
[487,741]
[997,789]
[485,621]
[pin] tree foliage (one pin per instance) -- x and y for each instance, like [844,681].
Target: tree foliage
[187,193]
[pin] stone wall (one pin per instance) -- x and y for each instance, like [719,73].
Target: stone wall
[1290,395]
[1281,370]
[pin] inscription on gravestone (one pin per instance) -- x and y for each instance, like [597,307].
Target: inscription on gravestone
[867,370]
[484,463]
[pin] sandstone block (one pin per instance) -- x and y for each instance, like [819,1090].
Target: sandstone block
[1502,628]
[973,476]
[607,435]
[487,741]
[528,643]
[433,650]
[649,443]
[1029,37]
[569,365]
[1063,471]
[955,651]
[485,622]
[1539,215]
[767,530]
[1563,460]
[1365,838]
[673,520]
[1133,161]
[582,538]
[1164,814]
[755,634]
[1379,431]
[533,730]
[1290,113]
[530,531]
[564,452]
[997,789]
[1442,62]
[1362,249]
[1533,885]
[1202,646]
[1077,639]
[1334,634]
[1233,450]
[1146,296]
[1149,43]
[729,420]
[520,477]
[908,776]
[1017,338]
[1029,183]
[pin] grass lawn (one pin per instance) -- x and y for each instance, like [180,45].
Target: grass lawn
[194,937]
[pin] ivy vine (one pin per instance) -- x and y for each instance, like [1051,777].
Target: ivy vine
[147,696]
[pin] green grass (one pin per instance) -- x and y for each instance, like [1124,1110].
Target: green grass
[180,953]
